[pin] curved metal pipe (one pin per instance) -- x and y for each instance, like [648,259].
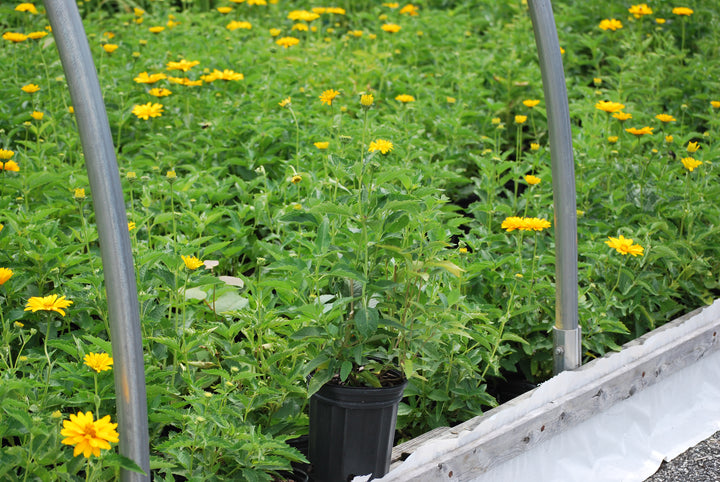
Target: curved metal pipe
[568,346]
[111,218]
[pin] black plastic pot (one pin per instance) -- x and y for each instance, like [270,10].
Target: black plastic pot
[352,431]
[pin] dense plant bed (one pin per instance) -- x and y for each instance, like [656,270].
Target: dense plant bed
[381,181]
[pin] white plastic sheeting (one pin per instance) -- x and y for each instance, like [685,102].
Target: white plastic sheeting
[626,442]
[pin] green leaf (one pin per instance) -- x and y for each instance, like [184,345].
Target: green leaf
[366,321]
[322,242]
[345,369]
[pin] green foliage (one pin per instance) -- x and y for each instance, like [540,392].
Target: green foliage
[340,262]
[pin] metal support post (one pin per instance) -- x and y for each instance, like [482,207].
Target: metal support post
[567,337]
[111,218]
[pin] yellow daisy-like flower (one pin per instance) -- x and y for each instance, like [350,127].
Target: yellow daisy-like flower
[131,225]
[98,361]
[159,92]
[450,100]
[381,145]
[692,147]
[5,274]
[520,119]
[14,37]
[109,48]
[287,41]
[613,139]
[610,107]
[624,246]
[366,100]
[409,9]
[30,88]
[690,163]
[139,12]
[355,33]
[304,15]
[225,74]
[682,11]
[665,118]
[29,7]
[146,111]
[11,166]
[391,28]
[145,78]
[611,24]
[531,103]
[285,102]
[328,96]
[79,193]
[87,435]
[37,35]
[669,139]
[171,175]
[532,180]
[48,303]
[512,223]
[715,104]
[622,116]
[5,154]
[300,27]
[224,9]
[191,262]
[391,5]
[274,32]
[322,145]
[156,29]
[296,179]
[535,224]
[405,98]
[235,25]
[183,65]
[640,132]
[37,115]
[640,10]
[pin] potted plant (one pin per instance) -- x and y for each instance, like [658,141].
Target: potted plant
[378,260]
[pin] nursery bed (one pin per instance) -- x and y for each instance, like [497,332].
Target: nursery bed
[615,418]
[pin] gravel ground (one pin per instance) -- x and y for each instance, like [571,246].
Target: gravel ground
[700,463]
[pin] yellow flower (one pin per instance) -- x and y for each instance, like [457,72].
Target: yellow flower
[79,193]
[366,100]
[303,15]
[690,163]
[381,145]
[328,96]
[660,21]
[287,41]
[300,27]
[495,121]
[355,33]
[532,180]
[131,225]
[30,88]
[87,435]
[409,9]
[159,92]
[678,11]
[109,48]
[14,37]
[669,139]
[170,175]
[29,7]
[534,146]
[11,166]
[450,100]
[520,119]
[224,9]
[512,223]
[611,24]
[536,224]
[597,81]
[285,102]
[624,246]
[525,224]
[98,361]
[462,250]
[322,145]
[5,274]
[639,10]
[37,115]
[191,262]
[36,35]
[391,27]
[296,179]
[234,25]
[665,118]
[183,65]
[144,78]
[274,32]
[146,111]
[622,116]
[48,303]
[715,104]
[405,98]
[530,103]
[138,12]
[609,107]
[612,139]
[226,74]
[157,29]
[640,132]
[692,147]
